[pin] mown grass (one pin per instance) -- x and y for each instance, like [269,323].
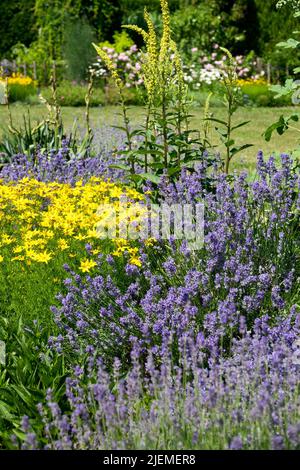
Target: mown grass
[260,119]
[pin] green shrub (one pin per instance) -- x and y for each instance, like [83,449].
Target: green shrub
[18,92]
[132,96]
[261,95]
[195,26]
[73,94]
[121,42]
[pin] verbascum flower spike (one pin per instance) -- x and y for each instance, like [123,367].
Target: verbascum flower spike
[110,65]
[231,75]
[151,37]
[151,61]
[166,36]
[138,30]
[229,55]
[178,66]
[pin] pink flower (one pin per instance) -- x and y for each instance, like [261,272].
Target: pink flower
[123,57]
[194,49]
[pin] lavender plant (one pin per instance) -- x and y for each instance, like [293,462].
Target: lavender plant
[249,400]
[247,268]
[61,166]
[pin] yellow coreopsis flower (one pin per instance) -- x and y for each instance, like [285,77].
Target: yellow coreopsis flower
[136,261]
[62,244]
[86,265]
[18,258]
[43,257]
[37,217]
[6,239]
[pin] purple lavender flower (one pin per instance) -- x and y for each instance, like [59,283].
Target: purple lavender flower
[186,402]
[236,443]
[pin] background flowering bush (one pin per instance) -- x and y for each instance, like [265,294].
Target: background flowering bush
[20,88]
[202,69]
[207,69]
[127,64]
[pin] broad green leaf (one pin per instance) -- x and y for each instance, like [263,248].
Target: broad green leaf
[173,171]
[289,86]
[5,411]
[229,143]
[289,44]
[150,177]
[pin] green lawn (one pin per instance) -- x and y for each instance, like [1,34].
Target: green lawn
[260,118]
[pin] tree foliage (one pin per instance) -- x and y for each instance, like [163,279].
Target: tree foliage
[16,23]
[239,25]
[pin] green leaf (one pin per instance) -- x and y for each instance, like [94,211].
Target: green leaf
[280,126]
[119,166]
[240,125]
[5,411]
[173,171]
[222,132]
[239,149]
[269,131]
[289,44]
[24,394]
[289,86]
[150,177]
[156,165]
[219,121]
[229,143]
[120,128]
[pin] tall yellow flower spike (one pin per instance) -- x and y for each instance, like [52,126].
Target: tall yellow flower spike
[110,65]
[166,36]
